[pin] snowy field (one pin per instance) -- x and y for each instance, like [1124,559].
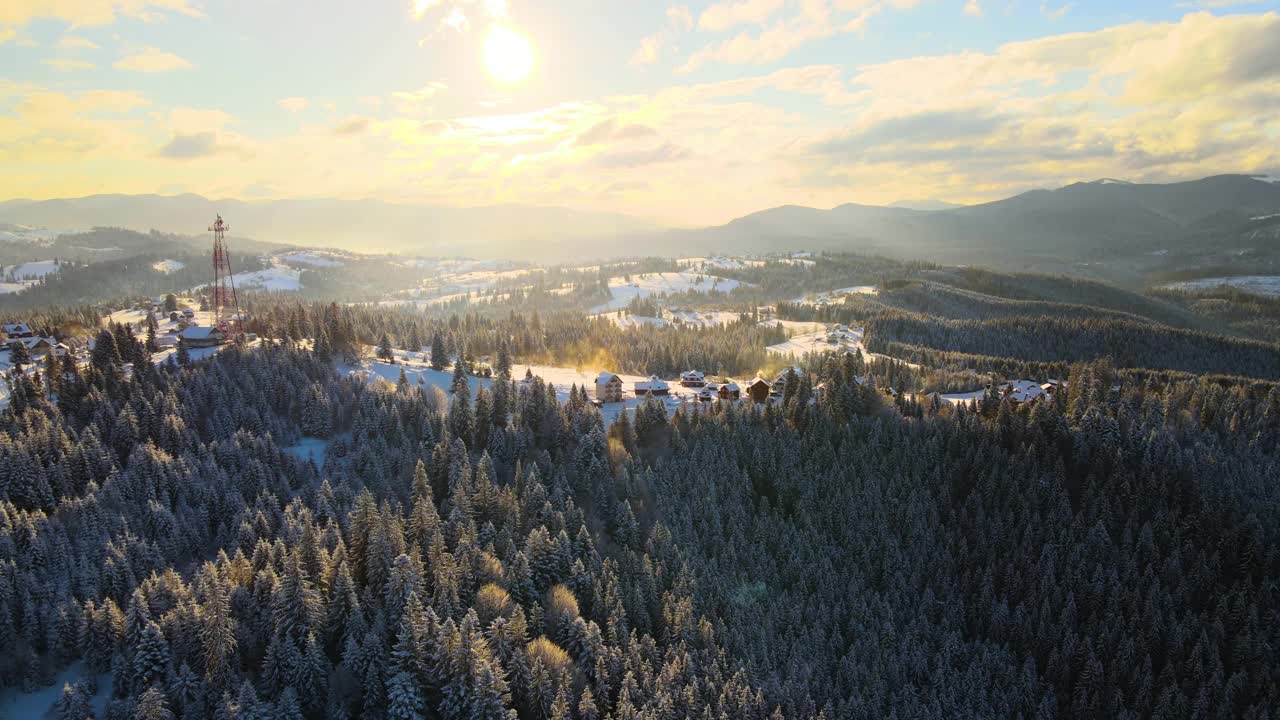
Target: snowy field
[819,342]
[31,270]
[278,278]
[665,283]
[625,320]
[312,258]
[1259,284]
[833,296]
[168,266]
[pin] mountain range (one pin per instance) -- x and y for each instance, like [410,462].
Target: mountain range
[1073,226]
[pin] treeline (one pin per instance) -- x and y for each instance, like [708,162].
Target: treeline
[564,338]
[1129,344]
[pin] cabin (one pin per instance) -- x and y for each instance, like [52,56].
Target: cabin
[693,378]
[758,390]
[729,391]
[202,337]
[1052,386]
[653,386]
[820,391]
[1020,391]
[608,388]
[18,330]
[706,395]
[780,383]
[37,347]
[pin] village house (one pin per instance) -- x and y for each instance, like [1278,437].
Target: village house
[706,395]
[1020,391]
[729,391]
[758,390]
[18,330]
[1052,386]
[608,388]
[780,383]
[693,378]
[202,337]
[653,386]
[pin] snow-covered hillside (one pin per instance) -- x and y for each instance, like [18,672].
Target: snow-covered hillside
[168,266]
[1260,284]
[31,270]
[665,283]
[314,258]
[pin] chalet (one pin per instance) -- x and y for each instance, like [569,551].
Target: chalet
[729,391]
[1052,386]
[37,347]
[1021,391]
[608,388]
[202,337]
[693,378]
[706,395]
[18,330]
[780,382]
[758,390]
[653,386]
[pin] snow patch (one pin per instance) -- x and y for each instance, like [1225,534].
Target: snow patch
[168,266]
[623,291]
[1259,284]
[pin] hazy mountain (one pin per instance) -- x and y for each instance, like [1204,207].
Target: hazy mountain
[360,225]
[927,205]
[1097,226]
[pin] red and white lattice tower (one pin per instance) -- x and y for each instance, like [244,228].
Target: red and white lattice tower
[223,301]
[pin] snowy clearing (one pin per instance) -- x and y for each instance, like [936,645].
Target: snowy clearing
[31,270]
[309,448]
[168,266]
[664,283]
[313,258]
[834,296]
[819,342]
[1260,284]
[16,705]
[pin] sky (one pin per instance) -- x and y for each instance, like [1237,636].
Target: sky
[684,114]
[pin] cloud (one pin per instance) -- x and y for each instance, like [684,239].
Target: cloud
[1218,4]
[293,104]
[415,102]
[456,14]
[816,20]
[664,153]
[678,20]
[352,126]
[1057,13]
[68,65]
[151,60]
[76,42]
[7,34]
[728,13]
[973,8]
[206,144]
[91,12]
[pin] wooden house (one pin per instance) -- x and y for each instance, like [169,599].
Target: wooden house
[608,388]
[693,378]
[758,390]
[780,383]
[201,337]
[18,330]
[653,386]
[729,391]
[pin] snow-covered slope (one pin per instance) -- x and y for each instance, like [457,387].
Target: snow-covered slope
[666,283]
[168,266]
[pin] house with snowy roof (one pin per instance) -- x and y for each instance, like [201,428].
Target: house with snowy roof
[18,330]
[653,386]
[198,336]
[608,388]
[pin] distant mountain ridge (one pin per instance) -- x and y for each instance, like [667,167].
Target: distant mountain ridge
[360,225]
[1058,230]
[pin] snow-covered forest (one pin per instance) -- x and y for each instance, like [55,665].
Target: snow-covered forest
[1110,552]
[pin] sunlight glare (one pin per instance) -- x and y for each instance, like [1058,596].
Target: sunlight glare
[508,55]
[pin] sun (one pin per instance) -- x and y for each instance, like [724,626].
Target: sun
[508,55]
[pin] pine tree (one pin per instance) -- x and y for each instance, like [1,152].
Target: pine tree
[439,358]
[385,353]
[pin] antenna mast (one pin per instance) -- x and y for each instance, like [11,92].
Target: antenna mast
[224,302]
